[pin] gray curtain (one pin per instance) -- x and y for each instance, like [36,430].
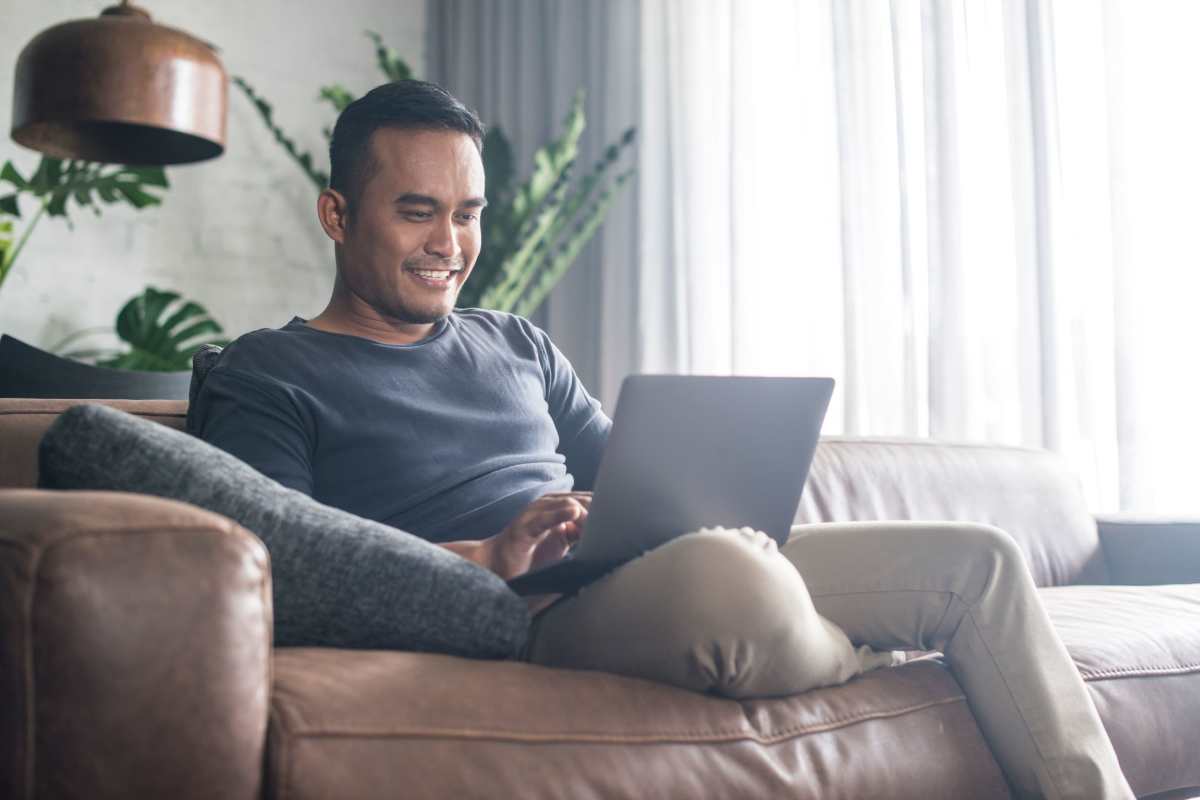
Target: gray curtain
[519,64]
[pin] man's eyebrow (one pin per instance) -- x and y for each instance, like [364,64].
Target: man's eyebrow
[414,199]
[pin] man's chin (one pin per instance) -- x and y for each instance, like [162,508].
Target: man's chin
[413,316]
[411,311]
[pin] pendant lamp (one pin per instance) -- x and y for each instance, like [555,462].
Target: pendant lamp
[121,89]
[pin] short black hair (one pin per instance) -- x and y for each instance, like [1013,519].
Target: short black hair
[416,105]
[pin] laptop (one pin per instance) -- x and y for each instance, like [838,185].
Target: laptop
[691,452]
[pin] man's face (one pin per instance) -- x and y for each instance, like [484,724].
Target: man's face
[412,237]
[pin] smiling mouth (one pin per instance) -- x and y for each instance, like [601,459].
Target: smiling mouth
[435,277]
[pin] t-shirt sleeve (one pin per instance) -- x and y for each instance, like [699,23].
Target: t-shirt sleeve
[257,422]
[582,425]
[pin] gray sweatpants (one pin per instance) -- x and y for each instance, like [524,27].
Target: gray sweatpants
[728,612]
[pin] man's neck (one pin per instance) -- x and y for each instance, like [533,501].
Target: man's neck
[355,318]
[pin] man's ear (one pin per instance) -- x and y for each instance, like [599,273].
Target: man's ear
[333,213]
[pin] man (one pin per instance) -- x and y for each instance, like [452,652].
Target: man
[470,429]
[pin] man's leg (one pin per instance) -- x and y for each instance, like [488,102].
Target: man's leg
[965,589]
[714,612]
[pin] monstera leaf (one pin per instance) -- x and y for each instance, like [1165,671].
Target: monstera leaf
[163,331]
[302,158]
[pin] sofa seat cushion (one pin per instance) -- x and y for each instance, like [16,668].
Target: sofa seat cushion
[1138,648]
[384,724]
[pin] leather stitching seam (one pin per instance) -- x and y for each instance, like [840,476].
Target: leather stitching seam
[71,535]
[29,413]
[1134,672]
[649,738]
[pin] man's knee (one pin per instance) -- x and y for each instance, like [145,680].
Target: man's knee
[987,542]
[990,559]
[719,612]
[735,581]
[749,628]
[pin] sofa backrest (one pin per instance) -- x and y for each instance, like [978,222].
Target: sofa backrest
[23,421]
[1031,494]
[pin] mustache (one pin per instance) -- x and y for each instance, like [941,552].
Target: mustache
[433,263]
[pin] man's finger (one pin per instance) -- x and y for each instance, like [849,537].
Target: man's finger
[545,520]
[585,497]
[556,503]
[574,533]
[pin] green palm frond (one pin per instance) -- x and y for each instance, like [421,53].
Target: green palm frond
[550,163]
[389,61]
[6,239]
[302,159]
[519,274]
[337,96]
[524,223]
[546,275]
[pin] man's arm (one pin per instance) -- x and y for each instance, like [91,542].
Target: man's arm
[258,423]
[582,425]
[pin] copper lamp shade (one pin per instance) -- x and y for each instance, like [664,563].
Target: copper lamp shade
[120,89]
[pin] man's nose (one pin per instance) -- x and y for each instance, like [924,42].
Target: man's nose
[443,239]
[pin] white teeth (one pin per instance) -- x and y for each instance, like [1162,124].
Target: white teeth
[433,276]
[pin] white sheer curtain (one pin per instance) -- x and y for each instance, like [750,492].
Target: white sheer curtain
[916,198]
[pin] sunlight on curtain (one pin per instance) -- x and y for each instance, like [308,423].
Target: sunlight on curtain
[915,197]
[784,199]
[739,187]
[1078,344]
[1153,69]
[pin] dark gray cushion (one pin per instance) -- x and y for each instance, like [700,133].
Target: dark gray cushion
[339,580]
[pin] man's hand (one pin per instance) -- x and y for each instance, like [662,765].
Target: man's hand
[541,534]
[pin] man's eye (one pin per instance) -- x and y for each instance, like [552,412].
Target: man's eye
[468,217]
[419,216]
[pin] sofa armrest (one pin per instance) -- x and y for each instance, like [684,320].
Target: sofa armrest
[1150,551]
[135,647]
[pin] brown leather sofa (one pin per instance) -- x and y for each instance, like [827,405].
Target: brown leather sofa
[135,661]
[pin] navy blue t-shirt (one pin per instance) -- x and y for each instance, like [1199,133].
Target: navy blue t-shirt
[448,438]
